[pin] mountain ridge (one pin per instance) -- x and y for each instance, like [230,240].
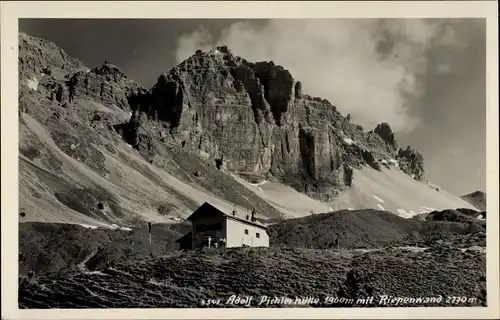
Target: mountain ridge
[476,198]
[301,140]
[96,147]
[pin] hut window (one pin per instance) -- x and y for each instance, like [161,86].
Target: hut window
[246,231]
[257,235]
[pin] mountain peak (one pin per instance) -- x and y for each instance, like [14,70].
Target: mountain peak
[108,68]
[36,55]
[214,114]
[477,199]
[215,90]
[384,131]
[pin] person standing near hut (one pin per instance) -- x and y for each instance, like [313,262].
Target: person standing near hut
[222,242]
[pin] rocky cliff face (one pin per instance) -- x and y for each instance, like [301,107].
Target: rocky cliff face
[254,120]
[247,118]
[75,165]
[384,131]
[412,163]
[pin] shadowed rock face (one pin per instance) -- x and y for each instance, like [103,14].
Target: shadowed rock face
[256,118]
[385,132]
[412,163]
[105,84]
[252,118]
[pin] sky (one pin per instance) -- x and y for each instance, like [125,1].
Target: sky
[425,77]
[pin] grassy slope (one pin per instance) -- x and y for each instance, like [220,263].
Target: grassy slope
[49,248]
[184,279]
[369,229]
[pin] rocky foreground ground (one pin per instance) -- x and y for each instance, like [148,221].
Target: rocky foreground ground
[347,255]
[335,278]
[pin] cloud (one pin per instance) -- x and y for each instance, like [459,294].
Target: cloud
[201,38]
[369,68]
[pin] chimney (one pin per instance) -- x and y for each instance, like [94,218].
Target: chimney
[234,212]
[253,214]
[248,217]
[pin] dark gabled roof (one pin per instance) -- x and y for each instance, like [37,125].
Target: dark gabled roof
[207,207]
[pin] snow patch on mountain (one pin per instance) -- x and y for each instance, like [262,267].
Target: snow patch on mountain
[33,83]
